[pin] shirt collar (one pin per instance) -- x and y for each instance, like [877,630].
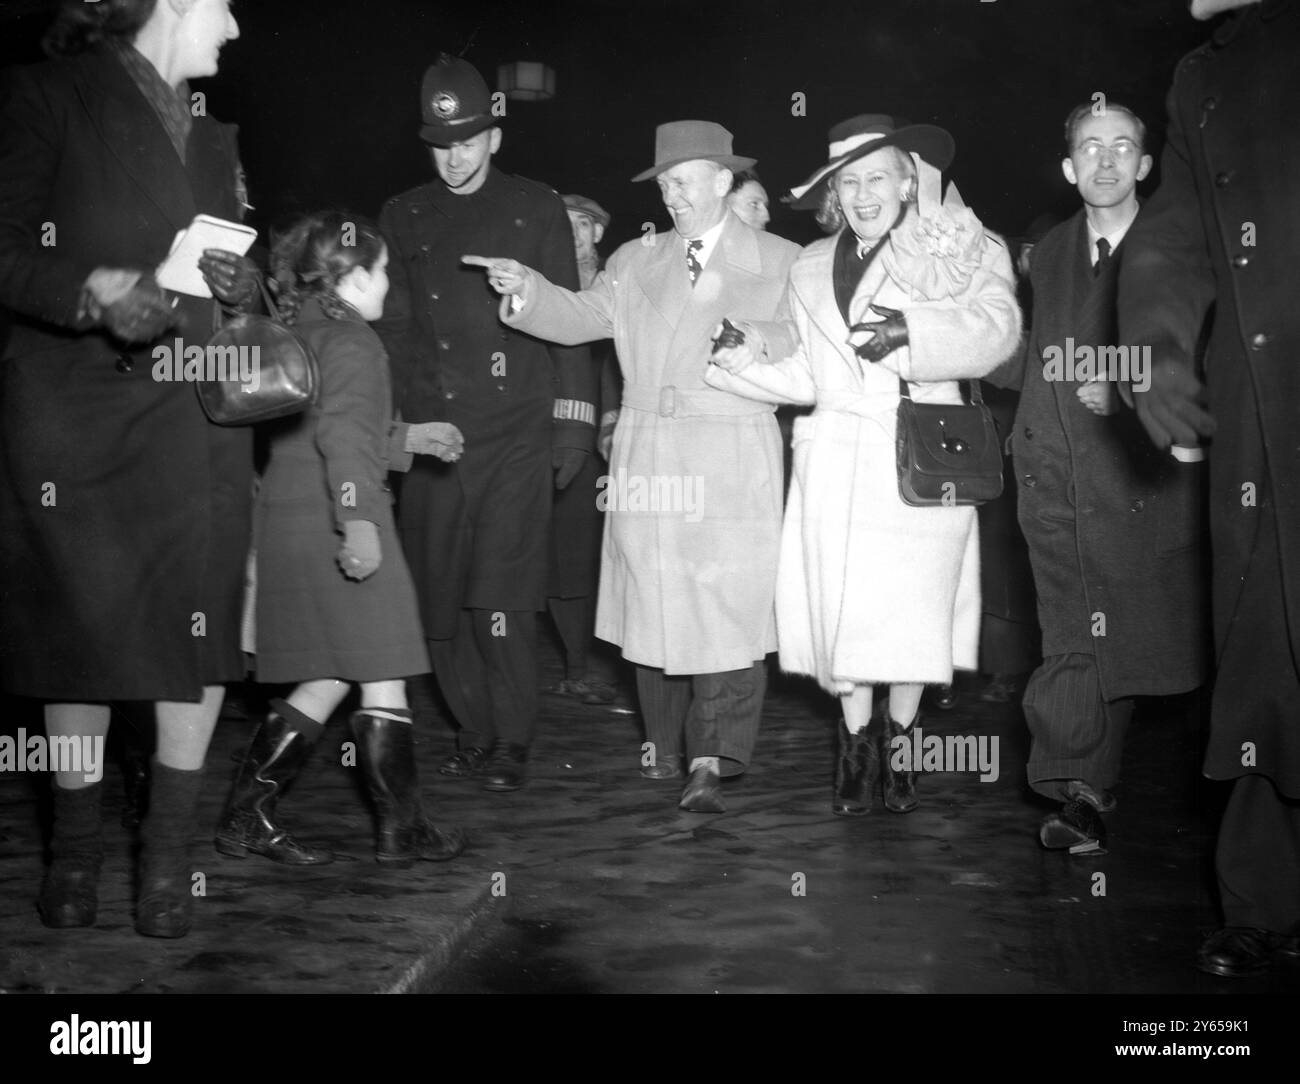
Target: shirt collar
[710,239]
[1114,237]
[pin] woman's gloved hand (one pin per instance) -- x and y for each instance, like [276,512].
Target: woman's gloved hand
[359,555]
[231,278]
[875,339]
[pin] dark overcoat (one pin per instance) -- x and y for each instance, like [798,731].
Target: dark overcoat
[124,514]
[476,531]
[327,466]
[1113,526]
[1224,231]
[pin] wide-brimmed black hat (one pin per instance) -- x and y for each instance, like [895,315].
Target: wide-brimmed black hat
[858,136]
[454,101]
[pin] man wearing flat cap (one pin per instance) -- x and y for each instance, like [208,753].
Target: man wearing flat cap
[578,522]
[475,531]
[694,494]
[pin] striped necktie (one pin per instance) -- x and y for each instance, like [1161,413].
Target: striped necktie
[693,265]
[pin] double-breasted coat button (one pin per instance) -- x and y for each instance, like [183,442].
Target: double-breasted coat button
[449,395]
[1240,261]
[1258,341]
[1221,180]
[444,344]
[424,248]
[433,297]
[1137,505]
[1029,433]
[125,363]
[1030,481]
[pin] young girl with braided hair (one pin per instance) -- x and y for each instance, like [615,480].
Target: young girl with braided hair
[335,602]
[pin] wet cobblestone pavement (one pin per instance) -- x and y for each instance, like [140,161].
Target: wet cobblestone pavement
[590,880]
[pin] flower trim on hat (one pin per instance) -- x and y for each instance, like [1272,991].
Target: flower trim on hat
[935,252]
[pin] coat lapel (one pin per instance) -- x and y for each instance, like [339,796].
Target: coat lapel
[135,137]
[733,265]
[665,281]
[1058,290]
[814,280]
[811,278]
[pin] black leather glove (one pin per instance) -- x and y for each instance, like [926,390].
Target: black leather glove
[232,279]
[886,335]
[140,315]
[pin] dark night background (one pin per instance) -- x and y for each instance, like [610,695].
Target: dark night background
[326,92]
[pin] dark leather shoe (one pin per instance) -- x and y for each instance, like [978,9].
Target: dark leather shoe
[465,763]
[1103,801]
[665,768]
[857,771]
[505,768]
[703,793]
[1239,952]
[1077,828]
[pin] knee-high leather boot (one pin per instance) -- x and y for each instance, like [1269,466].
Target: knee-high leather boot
[279,750]
[386,753]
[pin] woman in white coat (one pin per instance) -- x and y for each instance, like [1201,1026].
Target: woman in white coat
[871,590]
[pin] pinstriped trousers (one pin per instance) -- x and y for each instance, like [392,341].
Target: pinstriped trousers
[703,715]
[1076,734]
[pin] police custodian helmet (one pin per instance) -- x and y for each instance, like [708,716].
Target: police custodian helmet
[455,102]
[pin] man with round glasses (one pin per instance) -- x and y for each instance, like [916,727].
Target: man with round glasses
[1110,520]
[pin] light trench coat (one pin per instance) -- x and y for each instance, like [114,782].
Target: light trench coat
[869,589]
[688,587]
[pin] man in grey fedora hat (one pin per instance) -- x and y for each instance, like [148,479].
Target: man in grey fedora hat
[476,531]
[694,490]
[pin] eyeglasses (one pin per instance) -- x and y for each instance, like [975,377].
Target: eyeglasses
[1121,150]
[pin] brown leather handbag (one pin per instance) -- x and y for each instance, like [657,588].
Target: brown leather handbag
[263,369]
[948,454]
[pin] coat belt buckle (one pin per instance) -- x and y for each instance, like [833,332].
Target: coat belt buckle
[667,401]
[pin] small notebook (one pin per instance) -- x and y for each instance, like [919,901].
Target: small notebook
[180,271]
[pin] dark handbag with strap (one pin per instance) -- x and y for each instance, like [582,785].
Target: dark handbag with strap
[948,454]
[266,370]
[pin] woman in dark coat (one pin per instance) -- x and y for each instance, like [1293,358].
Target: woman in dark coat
[335,601]
[125,513]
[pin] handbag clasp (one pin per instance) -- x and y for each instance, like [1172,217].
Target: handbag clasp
[952,445]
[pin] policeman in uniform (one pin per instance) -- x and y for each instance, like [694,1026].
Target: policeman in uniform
[578,522]
[475,531]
